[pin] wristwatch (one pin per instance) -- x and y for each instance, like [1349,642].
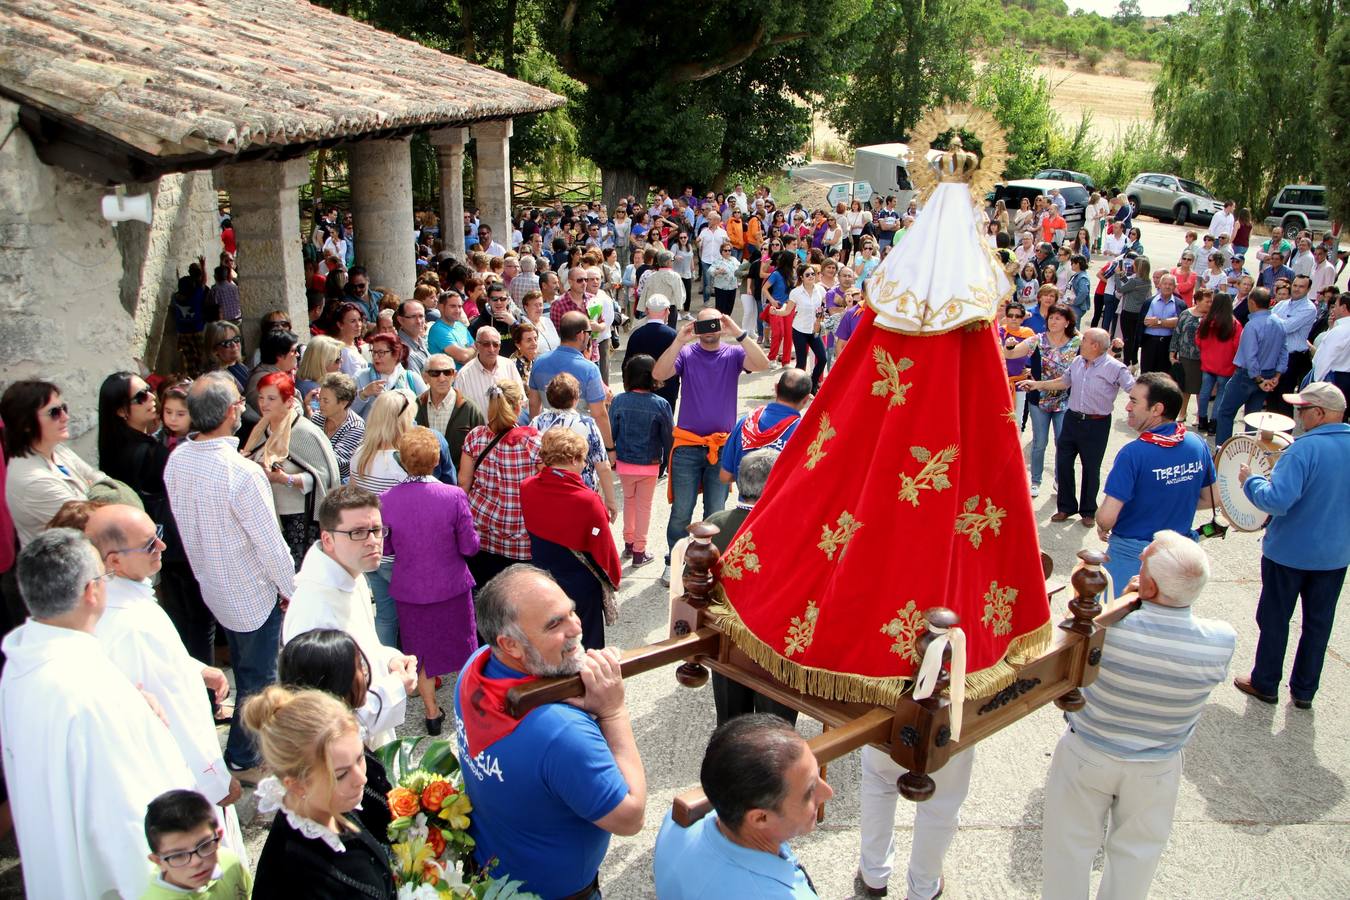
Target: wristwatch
[742,336]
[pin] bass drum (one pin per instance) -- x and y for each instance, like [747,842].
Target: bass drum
[1260,457]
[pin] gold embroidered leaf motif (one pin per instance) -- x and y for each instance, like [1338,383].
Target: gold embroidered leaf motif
[933,475]
[905,629]
[1011,415]
[998,607]
[836,539]
[740,556]
[816,451]
[801,630]
[973,524]
[889,382]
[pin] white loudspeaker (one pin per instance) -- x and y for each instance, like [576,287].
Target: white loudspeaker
[122,208]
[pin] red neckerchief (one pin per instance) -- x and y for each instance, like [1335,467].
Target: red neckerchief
[482,704]
[752,438]
[1164,440]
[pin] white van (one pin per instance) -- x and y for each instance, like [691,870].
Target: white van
[883,166]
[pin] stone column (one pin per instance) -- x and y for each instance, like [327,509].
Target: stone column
[493,177]
[382,212]
[449,144]
[265,210]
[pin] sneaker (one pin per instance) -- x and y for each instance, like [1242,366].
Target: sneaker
[665,577]
[686,316]
[627,551]
[641,558]
[1035,490]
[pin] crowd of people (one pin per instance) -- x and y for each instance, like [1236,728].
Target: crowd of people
[409,489]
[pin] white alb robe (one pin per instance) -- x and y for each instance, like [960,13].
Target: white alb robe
[140,639]
[84,756]
[328,596]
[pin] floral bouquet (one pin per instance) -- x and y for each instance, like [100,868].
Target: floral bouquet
[429,830]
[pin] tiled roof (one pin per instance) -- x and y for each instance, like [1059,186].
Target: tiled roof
[189,78]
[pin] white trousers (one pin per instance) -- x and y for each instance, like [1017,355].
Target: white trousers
[935,821]
[1087,791]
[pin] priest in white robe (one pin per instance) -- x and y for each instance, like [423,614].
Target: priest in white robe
[84,753]
[141,640]
[331,592]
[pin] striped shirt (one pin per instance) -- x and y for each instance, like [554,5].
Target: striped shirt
[382,471]
[222,503]
[1093,384]
[1158,667]
[345,440]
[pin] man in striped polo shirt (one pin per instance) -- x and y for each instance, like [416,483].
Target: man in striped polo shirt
[1119,761]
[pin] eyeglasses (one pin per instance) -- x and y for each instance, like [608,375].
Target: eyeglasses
[141,396]
[360,534]
[102,577]
[184,857]
[379,353]
[422,316]
[488,343]
[229,342]
[56,412]
[149,546]
[437,373]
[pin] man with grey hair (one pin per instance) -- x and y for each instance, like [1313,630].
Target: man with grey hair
[663,280]
[226,517]
[84,752]
[525,282]
[731,698]
[1118,764]
[550,788]
[652,338]
[1094,376]
[486,369]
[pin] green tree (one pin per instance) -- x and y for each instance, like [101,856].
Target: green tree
[1234,118]
[1334,119]
[916,55]
[1128,12]
[1019,99]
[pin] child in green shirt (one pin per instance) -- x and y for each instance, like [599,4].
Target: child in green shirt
[184,839]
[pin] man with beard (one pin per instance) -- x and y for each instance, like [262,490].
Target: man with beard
[550,788]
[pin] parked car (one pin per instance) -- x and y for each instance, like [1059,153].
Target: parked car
[1300,206]
[1075,195]
[1170,197]
[1067,175]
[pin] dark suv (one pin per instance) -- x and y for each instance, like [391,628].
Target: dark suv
[1075,195]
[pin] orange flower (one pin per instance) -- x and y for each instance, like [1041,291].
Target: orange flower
[403,802]
[434,795]
[435,841]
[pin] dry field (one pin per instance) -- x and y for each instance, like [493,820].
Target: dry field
[1116,102]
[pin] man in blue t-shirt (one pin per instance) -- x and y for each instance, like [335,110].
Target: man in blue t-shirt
[768,426]
[547,789]
[574,339]
[1157,482]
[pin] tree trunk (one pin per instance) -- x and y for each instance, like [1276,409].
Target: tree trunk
[469,47]
[615,184]
[719,182]
[509,39]
[316,175]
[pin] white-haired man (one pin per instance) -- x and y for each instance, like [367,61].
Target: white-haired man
[1118,764]
[486,369]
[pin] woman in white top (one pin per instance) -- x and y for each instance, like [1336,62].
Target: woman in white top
[532,302]
[43,472]
[684,265]
[350,327]
[375,467]
[857,219]
[806,305]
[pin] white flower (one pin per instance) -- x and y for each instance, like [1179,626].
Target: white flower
[418,892]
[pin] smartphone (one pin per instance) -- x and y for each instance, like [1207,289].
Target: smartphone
[707,326]
[1129,267]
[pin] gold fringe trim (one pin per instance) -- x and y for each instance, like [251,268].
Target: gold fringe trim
[882,691]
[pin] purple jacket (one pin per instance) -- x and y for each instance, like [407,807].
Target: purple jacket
[430,533]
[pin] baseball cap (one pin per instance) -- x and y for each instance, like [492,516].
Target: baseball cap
[1239,256]
[658,303]
[1319,393]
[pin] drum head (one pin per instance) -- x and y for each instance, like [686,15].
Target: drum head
[1268,421]
[1240,450]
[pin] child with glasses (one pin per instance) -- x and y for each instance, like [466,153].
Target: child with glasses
[184,839]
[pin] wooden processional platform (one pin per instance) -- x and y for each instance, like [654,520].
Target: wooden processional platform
[915,733]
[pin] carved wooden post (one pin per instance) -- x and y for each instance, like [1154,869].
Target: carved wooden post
[1088,582]
[700,556]
[918,786]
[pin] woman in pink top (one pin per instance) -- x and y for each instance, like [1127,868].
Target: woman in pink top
[1217,337]
[1186,277]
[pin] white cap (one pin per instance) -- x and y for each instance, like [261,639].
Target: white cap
[658,303]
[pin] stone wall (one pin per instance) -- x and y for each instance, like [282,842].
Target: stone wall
[78,298]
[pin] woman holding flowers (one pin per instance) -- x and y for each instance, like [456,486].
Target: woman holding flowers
[312,745]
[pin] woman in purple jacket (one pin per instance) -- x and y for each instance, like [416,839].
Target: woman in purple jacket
[430,524]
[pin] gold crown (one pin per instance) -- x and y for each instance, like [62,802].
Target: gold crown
[956,163]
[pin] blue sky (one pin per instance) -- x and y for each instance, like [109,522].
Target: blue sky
[1148,7]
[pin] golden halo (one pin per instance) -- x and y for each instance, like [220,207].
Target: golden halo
[973,119]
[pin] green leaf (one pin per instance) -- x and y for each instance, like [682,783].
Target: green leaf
[439,758]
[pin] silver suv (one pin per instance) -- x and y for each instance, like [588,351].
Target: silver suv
[1300,206]
[1170,197]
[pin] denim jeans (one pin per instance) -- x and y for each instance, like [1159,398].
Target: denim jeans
[1040,437]
[253,656]
[1241,392]
[1281,589]
[707,282]
[689,468]
[1210,382]
[386,613]
[804,343]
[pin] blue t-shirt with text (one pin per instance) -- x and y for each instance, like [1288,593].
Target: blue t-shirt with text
[1160,486]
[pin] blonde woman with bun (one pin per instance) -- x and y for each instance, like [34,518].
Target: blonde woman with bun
[311,745]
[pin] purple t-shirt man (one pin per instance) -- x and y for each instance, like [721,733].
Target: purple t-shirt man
[709,378]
